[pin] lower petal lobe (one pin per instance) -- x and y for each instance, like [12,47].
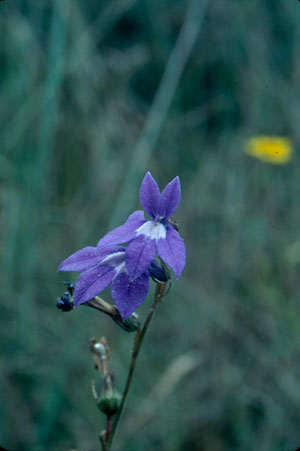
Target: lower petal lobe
[140,253]
[92,282]
[128,294]
[172,251]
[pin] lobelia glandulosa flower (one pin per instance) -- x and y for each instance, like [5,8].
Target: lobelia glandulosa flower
[104,267]
[147,238]
[127,269]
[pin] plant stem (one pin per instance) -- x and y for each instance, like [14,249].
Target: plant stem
[140,334]
[108,428]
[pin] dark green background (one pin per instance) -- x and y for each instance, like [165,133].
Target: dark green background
[92,95]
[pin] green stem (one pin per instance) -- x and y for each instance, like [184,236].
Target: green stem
[140,334]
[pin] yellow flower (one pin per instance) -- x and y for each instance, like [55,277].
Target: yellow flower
[271,149]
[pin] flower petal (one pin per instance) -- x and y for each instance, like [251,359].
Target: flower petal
[136,215]
[92,282]
[149,195]
[128,294]
[121,234]
[81,260]
[139,255]
[170,198]
[105,251]
[172,251]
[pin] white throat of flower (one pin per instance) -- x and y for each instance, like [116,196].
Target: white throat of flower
[114,259]
[152,230]
[120,268]
[117,261]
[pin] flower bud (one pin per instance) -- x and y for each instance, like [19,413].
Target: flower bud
[131,324]
[158,273]
[64,303]
[109,401]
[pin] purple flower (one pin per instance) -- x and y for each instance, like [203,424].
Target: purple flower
[147,238]
[127,269]
[103,267]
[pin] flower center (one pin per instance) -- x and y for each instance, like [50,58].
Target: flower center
[152,230]
[120,268]
[114,259]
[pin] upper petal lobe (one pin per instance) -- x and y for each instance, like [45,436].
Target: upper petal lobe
[149,195]
[172,251]
[170,198]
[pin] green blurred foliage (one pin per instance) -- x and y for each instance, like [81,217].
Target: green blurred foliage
[78,82]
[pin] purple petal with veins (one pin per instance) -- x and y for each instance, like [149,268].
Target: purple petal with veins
[128,294]
[170,199]
[86,258]
[92,282]
[121,234]
[149,195]
[81,260]
[139,255]
[172,251]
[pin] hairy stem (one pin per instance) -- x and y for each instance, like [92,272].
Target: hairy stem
[140,334]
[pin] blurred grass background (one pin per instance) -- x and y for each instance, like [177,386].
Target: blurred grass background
[93,94]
